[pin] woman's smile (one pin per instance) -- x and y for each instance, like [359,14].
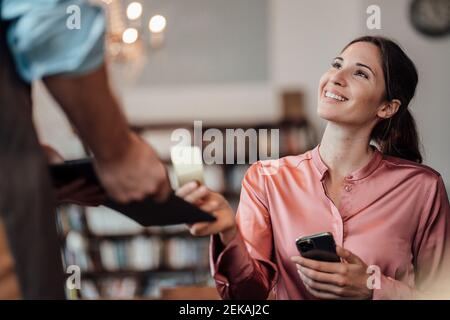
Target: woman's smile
[334,96]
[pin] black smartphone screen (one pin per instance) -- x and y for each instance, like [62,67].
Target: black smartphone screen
[319,246]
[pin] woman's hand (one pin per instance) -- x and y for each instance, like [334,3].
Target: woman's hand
[213,203]
[331,280]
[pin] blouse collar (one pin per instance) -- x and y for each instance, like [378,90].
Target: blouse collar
[355,175]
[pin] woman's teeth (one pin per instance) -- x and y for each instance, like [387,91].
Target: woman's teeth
[334,96]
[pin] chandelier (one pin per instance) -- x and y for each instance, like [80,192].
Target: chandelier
[128,36]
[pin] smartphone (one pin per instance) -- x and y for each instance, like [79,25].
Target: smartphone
[319,246]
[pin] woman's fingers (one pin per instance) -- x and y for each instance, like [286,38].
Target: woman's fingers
[207,228]
[322,295]
[186,189]
[210,202]
[329,267]
[322,286]
[192,192]
[199,229]
[345,279]
[321,291]
[326,272]
[197,195]
[332,278]
[211,206]
[348,256]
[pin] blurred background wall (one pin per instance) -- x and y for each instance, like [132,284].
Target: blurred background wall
[229,61]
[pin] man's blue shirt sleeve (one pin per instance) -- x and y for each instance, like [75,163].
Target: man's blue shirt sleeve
[43,43]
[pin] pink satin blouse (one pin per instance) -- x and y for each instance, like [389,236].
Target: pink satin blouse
[393,214]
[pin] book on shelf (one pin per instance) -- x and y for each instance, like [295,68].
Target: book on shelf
[76,251]
[109,288]
[153,253]
[182,254]
[89,290]
[69,218]
[137,254]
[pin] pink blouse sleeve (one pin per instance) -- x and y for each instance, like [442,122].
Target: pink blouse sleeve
[431,249]
[243,269]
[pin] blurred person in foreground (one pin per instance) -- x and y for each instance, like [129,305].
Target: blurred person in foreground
[35,43]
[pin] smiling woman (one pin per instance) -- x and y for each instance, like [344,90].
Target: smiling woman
[385,210]
[376,81]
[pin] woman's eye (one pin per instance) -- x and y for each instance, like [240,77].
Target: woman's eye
[336,65]
[360,73]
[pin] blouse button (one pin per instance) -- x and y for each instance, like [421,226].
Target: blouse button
[348,188]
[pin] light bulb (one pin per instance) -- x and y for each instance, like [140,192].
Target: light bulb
[157,23]
[130,35]
[134,10]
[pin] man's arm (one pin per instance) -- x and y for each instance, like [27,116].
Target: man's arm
[128,168]
[92,108]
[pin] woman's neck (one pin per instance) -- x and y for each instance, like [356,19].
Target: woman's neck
[344,149]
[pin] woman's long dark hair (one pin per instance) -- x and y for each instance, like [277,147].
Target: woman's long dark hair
[396,136]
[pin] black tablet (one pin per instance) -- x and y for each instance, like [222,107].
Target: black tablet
[146,212]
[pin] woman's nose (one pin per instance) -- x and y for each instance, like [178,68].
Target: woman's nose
[338,78]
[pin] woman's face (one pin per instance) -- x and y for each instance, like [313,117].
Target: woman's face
[352,91]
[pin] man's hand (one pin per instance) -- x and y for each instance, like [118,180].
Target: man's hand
[331,280]
[135,174]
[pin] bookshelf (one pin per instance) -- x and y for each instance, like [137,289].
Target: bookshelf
[129,261]
[121,260]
